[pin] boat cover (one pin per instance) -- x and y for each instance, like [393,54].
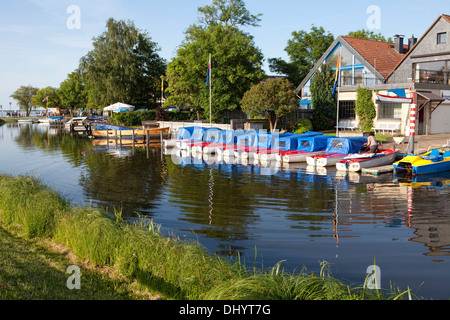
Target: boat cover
[248,138]
[213,135]
[286,142]
[312,143]
[345,145]
[194,133]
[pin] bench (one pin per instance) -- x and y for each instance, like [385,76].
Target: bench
[387,126]
[347,125]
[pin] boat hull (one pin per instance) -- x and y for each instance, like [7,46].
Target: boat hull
[300,157]
[325,160]
[356,164]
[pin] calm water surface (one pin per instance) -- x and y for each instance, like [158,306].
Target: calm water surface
[295,215]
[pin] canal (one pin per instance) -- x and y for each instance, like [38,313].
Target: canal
[295,215]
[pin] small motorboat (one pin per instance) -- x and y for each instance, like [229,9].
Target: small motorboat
[432,161]
[356,162]
[337,149]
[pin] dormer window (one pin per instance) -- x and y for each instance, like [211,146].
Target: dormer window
[442,37]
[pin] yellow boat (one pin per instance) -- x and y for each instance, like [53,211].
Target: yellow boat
[433,161]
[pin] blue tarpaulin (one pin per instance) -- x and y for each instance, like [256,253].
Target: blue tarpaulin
[194,133]
[213,135]
[312,143]
[249,138]
[286,142]
[345,145]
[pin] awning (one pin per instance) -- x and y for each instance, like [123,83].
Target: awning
[430,98]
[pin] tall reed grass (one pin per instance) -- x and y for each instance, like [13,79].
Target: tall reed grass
[158,263]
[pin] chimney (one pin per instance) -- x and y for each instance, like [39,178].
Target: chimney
[411,42]
[398,43]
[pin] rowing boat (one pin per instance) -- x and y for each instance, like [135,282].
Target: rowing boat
[356,162]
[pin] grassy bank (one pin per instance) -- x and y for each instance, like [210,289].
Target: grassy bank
[130,259]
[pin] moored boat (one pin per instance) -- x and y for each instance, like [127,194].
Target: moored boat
[307,146]
[337,149]
[433,161]
[356,162]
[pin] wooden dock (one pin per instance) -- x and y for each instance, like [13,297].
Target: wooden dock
[378,170]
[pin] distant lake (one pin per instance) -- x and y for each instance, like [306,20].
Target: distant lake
[296,215]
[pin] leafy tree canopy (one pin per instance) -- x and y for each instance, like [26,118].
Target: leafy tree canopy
[72,92]
[124,66]
[304,49]
[51,96]
[23,97]
[271,99]
[236,62]
[369,35]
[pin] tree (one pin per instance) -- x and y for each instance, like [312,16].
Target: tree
[48,96]
[123,67]
[236,62]
[365,109]
[231,13]
[72,92]
[368,35]
[321,91]
[23,97]
[271,99]
[304,50]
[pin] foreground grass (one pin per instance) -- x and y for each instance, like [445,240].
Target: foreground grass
[128,261]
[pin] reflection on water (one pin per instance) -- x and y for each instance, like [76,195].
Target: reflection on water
[295,213]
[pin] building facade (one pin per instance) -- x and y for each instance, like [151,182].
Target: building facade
[400,73]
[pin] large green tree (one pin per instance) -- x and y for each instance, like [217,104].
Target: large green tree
[47,97]
[124,66]
[72,92]
[271,99]
[304,49]
[236,62]
[23,96]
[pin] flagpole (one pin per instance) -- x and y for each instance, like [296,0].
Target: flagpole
[338,70]
[210,109]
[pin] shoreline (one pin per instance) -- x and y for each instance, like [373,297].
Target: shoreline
[159,266]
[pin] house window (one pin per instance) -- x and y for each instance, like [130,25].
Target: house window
[347,109]
[390,111]
[442,37]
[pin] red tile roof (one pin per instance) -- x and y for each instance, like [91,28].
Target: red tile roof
[381,55]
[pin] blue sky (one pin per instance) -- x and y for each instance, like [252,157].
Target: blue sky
[37,47]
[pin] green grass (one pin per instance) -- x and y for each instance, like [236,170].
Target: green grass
[138,257]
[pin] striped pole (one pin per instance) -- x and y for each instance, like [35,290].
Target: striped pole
[412,123]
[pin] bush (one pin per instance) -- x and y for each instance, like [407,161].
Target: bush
[302,126]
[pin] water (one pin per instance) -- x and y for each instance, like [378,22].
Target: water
[294,215]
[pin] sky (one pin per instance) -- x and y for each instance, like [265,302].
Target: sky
[42,41]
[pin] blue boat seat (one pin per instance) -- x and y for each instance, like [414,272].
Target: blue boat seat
[434,153]
[434,156]
[446,154]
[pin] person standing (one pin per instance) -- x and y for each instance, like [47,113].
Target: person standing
[372,144]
